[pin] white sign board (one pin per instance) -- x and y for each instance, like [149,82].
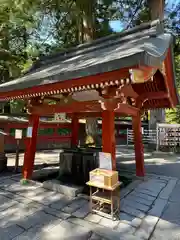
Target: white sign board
[29,132]
[142,130]
[18,134]
[105,161]
[60,117]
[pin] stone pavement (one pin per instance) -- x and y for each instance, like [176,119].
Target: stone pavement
[149,210]
[46,156]
[166,164]
[162,163]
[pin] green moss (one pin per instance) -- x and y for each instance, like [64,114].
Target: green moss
[24,181]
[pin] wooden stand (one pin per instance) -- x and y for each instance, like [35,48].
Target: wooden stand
[105,196]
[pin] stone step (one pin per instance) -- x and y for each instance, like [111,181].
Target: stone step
[57,186]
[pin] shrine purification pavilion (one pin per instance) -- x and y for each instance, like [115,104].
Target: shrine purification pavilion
[123,74]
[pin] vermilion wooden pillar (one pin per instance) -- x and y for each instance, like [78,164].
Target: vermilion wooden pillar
[108,135]
[75,131]
[29,155]
[138,146]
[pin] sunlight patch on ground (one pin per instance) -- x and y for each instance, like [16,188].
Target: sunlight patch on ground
[127,155]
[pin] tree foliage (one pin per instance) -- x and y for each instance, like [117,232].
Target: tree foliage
[29,29]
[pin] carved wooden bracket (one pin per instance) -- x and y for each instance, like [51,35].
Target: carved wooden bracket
[127,91]
[149,96]
[109,104]
[34,102]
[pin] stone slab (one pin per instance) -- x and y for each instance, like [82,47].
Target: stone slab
[106,232]
[56,213]
[30,193]
[95,237]
[131,220]
[175,194]
[16,177]
[166,230]
[134,204]
[6,203]
[172,213]
[94,218]
[22,199]
[10,232]
[125,228]
[143,195]
[153,186]
[147,227]
[66,230]
[134,212]
[16,214]
[7,194]
[21,189]
[43,197]
[54,197]
[38,218]
[82,212]
[109,223]
[36,231]
[158,207]
[147,192]
[166,178]
[64,201]
[138,199]
[129,188]
[67,190]
[74,205]
[6,183]
[166,192]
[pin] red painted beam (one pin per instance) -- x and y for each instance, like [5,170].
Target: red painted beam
[94,114]
[45,109]
[95,79]
[84,107]
[127,110]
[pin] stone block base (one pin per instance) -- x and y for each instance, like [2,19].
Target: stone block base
[68,190]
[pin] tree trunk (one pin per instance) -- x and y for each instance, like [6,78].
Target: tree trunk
[156,9]
[87,31]
[156,12]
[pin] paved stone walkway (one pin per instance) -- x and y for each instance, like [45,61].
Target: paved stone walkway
[149,210]
[162,164]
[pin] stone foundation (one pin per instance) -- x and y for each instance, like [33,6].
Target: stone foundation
[66,189]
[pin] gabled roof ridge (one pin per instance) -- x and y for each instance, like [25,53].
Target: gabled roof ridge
[151,28]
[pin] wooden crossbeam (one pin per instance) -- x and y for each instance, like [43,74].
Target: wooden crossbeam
[88,107]
[46,109]
[127,110]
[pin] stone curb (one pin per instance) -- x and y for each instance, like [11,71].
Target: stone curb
[105,232]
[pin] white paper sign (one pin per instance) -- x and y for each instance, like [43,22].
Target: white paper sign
[142,130]
[18,134]
[29,132]
[105,161]
[60,117]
